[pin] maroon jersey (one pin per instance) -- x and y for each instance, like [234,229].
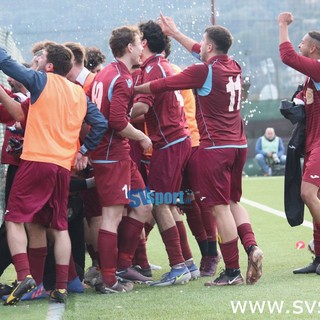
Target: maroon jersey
[310,93]
[112,91]
[218,97]
[165,119]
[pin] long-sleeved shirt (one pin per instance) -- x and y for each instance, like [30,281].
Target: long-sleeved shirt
[112,90]
[57,110]
[218,97]
[165,118]
[310,92]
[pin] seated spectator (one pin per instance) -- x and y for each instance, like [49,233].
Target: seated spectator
[269,151]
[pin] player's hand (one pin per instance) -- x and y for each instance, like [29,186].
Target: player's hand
[145,143]
[285,18]
[81,162]
[167,25]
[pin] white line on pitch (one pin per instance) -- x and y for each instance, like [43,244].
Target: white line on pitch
[273,211]
[55,311]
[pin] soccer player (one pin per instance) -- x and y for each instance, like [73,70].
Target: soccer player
[94,59]
[115,172]
[79,73]
[200,220]
[307,62]
[92,209]
[223,145]
[165,123]
[50,148]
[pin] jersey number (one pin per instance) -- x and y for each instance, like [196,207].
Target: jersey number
[234,88]
[179,97]
[97,93]
[125,189]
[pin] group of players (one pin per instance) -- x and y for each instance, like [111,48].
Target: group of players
[145,128]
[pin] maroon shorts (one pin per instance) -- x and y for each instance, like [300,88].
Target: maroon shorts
[220,174]
[91,203]
[167,166]
[311,167]
[190,177]
[144,170]
[114,180]
[39,194]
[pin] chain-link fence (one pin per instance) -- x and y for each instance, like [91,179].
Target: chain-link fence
[7,42]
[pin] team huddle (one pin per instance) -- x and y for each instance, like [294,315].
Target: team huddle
[140,128]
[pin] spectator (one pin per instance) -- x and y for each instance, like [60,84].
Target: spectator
[269,151]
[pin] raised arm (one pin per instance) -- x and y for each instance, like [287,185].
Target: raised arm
[307,62]
[169,28]
[33,80]
[284,19]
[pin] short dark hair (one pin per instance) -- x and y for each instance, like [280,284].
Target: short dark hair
[78,51]
[152,32]
[38,47]
[314,35]
[121,37]
[93,58]
[167,49]
[221,37]
[60,56]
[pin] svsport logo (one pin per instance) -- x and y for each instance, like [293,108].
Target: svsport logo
[147,196]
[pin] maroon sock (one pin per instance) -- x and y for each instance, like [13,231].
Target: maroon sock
[108,253]
[21,264]
[316,237]
[72,269]
[171,240]
[140,256]
[62,276]
[147,228]
[37,260]
[194,220]
[209,222]
[185,248]
[129,232]
[246,235]
[230,253]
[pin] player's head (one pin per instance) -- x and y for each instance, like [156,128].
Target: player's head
[167,49]
[310,45]
[37,51]
[56,58]
[121,38]
[94,59]
[78,52]
[153,35]
[220,37]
